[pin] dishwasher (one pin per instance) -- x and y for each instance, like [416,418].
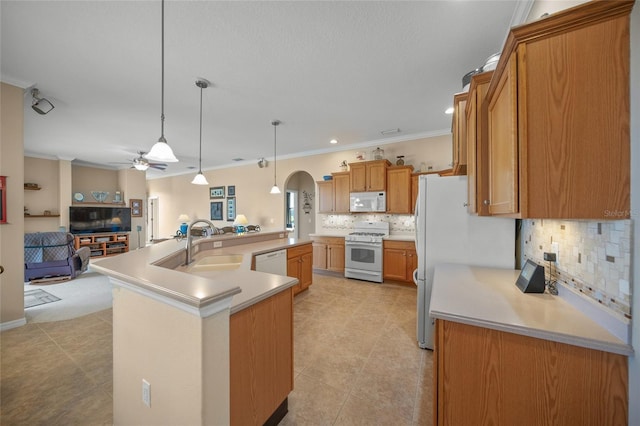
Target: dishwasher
[274,262]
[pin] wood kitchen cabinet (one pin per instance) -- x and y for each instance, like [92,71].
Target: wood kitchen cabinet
[558,117]
[478,145]
[399,189]
[333,195]
[399,260]
[300,266]
[485,376]
[328,253]
[459,130]
[369,176]
[261,359]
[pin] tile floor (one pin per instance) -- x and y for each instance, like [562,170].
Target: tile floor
[356,363]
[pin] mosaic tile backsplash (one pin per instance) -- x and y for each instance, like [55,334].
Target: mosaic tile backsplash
[594,258]
[398,223]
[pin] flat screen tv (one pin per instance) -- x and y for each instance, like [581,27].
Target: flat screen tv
[89,220]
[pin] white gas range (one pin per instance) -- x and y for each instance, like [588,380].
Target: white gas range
[363,251]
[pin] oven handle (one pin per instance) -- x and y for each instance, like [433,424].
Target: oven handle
[361,244]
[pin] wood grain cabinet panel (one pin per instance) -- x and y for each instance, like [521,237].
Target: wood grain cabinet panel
[459,130]
[300,266]
[399,189]
[341,193]
[261,358]
[325,196]
[399,260]
[368,176]
[559,138]
[328,253]
[485,376]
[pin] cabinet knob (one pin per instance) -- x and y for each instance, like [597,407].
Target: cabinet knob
[465,204]
[485,202]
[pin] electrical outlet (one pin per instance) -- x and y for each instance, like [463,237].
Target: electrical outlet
[146,393]
[217,244]
[555,248]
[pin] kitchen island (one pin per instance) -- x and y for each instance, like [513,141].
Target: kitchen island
[173,333]
[505,357]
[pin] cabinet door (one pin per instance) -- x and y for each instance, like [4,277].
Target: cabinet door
[335,257]
[472,207]
[377,176]
[341,192]
[325,196]
[358,178]
[306,271]
[399,193]
[412,264]
[293,270]
[394,264]
[319,255]
[459,134]
[503,144]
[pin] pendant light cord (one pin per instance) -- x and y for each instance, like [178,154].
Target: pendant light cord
[200,157]
[275,162]
[162,139]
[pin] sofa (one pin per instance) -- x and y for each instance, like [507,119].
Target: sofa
[52,254]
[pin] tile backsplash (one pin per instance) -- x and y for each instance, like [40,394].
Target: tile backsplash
[398,223]
[594,258]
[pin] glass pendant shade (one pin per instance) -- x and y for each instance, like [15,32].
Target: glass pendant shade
[161,151]
[141,166]
[200,180]
[275,189]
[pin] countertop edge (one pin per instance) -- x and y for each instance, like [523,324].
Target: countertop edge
[620,349]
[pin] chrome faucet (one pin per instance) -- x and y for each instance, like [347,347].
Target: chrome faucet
[190,237]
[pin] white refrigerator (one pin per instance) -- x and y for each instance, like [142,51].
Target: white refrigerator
[447,233]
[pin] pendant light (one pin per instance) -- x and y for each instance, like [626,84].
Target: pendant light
[161,151]
[200,179]
[274,189]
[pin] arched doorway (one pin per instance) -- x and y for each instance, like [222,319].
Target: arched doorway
[300,217]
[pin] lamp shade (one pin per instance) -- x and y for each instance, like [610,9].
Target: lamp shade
[161,151]
[241,220]
[183,218]
[141,166]
[275,189]
[199,179]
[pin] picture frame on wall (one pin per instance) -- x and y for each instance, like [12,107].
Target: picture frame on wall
[231,209]
[136,207]
[231,191]
[216,192]
[216,210]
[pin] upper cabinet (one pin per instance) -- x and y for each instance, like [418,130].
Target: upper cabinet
[333,195]
[459,129]
[399,189]
[369,175]
[558,117]
[477,144]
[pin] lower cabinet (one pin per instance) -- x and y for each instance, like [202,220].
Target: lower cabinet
[491,377]
[399,260]
[328,253]
[300,266]
[261,359]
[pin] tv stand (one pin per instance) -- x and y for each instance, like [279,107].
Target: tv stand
[105,244]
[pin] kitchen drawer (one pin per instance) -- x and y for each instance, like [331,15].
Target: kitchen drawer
[400,245]
[299,250]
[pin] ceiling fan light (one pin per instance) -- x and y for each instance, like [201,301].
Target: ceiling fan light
[161,151]
[199,179]
[141,166]
[275,190]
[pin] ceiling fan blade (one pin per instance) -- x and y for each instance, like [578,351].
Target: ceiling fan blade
[158,166]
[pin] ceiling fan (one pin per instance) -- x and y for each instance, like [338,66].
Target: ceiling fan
[141,163]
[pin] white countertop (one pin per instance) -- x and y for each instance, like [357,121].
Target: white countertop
[489,298]
[202,288]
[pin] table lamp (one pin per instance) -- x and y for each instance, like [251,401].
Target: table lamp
[240,223]
[183,218]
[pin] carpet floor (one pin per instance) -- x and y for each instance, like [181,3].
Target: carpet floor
[85,294]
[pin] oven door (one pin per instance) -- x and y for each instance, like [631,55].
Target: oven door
[363,256]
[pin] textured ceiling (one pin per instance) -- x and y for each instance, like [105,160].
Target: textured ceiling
[344,70]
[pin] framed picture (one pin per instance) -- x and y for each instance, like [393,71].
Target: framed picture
[231,209]
[216,192]
[136,207]
[231,191]
[216,210]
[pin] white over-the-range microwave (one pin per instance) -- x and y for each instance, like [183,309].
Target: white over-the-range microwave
[368,201]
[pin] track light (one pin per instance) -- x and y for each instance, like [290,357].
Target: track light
[40,105]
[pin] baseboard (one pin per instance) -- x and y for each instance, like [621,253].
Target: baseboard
[13,324]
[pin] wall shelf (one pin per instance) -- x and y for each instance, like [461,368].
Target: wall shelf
[41,215]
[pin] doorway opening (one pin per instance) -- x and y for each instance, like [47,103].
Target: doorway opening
[299,216]
[291,209]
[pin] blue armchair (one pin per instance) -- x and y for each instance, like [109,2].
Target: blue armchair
[51,254]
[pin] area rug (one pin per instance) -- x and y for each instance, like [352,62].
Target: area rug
[38,297]
[88,293]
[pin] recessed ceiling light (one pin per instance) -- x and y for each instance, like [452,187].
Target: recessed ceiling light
[333,141]
[449,110]
[390,131]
